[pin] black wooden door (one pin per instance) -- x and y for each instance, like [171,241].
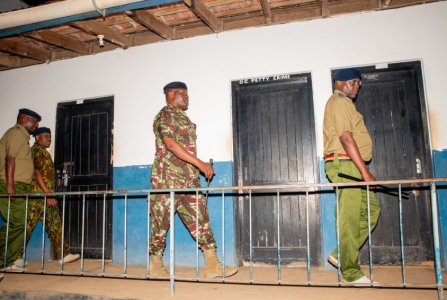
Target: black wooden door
[274,138]
[391,101]
[84,139]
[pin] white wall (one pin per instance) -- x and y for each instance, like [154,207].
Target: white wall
[207,64]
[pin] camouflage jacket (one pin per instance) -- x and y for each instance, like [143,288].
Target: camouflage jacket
[168,171]
[43,163]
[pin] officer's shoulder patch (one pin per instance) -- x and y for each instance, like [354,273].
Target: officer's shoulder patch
[17,127]
[340,95]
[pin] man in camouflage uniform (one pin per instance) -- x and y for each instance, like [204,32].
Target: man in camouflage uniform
[44,181]
[176,166]
[16,173]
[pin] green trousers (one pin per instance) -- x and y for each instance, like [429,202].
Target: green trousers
[35,213]
[16,224]
[353,212]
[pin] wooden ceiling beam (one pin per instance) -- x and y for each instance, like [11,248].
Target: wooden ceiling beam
[267,11]
[18,48]
[59,40]
[109,34]
[325,12]
[152,23]
[384,3]
[205,14]
[9,61]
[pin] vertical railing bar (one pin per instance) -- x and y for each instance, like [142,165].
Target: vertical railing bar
[223,235]
[24,238]
[7,233]
[197,234]
[338,233]
[251,250]
[307,235]
[43,231]
[369,235]
[63,233]
[103,233]
[171,252]
[279,236]
[125,233]
[401,234]
[83,227]
[434,208]
[148,231]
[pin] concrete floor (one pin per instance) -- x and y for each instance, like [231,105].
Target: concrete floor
[32,286]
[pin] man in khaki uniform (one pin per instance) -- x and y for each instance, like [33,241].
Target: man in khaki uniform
[16,173]
[347,146]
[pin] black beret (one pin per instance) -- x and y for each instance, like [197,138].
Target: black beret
[347,74]
[41,130]
[175,85]
[31,113]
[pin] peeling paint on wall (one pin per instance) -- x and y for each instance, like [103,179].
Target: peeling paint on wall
[435,133]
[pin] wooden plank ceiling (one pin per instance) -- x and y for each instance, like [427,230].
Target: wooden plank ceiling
[171,21]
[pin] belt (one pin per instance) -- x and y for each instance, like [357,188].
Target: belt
[341,157]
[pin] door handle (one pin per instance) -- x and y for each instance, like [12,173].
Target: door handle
[65,172]
[418,166]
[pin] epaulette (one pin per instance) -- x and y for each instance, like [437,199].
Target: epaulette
[341,95]
[17,127]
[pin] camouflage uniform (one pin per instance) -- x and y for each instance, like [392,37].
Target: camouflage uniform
[44,163]
[168,171]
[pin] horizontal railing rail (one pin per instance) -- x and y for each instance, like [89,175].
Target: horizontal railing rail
[302,189]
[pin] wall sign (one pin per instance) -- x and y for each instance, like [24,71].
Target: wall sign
[264,79]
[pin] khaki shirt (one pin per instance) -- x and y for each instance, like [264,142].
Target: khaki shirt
[15,142]
[340,115]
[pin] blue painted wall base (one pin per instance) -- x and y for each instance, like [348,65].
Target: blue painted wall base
[440,170]
[138,177]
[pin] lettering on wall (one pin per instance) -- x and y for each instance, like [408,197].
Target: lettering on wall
[263,79]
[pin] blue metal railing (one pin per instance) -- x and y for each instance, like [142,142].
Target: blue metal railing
[299,189]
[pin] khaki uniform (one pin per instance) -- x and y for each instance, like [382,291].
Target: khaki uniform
[15,142]
[340,116]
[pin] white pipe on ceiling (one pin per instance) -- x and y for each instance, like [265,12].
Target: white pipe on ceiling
[55,11]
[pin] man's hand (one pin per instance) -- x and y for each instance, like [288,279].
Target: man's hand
[367,176]
[51,202]
[181,153]
[207,169]
[11,190]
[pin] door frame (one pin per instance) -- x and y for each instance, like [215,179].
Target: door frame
[237,168]
[59,149]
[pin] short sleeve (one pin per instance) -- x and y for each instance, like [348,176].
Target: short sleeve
[342,115]
[164,125]
[14,143]
[38,159]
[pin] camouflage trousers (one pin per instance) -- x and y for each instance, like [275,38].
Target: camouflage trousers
[186,207]
[35,213]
